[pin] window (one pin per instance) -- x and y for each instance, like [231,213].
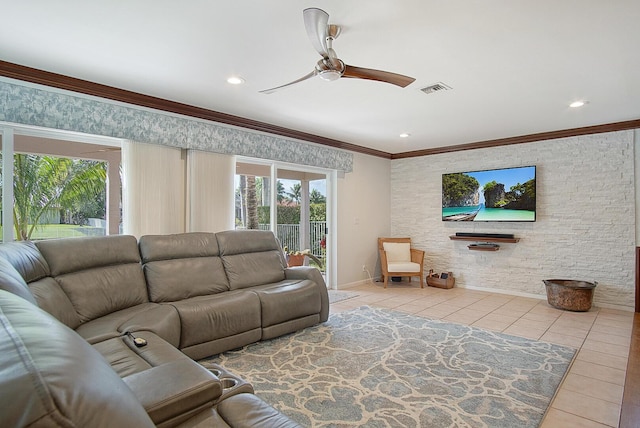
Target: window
[60,187]
[290,200]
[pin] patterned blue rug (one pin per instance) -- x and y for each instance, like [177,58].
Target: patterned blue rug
[375,368]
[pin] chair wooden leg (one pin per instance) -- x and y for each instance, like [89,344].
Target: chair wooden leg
[385,278]
[421,281]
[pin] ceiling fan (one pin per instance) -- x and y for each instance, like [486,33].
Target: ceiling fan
[330,67]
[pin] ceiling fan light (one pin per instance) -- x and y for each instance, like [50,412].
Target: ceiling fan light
[329,75]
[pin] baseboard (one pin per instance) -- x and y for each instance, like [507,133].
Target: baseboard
[357,283]
[543,297]
[508,292]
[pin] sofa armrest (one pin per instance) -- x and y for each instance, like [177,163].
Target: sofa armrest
[312,274]
[248,410]
[175,391]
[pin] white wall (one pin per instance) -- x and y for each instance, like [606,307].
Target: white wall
[363,216]
[585,226]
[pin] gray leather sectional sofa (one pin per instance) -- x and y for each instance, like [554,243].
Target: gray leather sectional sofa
[104,331]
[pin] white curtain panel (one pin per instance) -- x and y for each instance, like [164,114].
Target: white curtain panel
[210,197]
[154,189]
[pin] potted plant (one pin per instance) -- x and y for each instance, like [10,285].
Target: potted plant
[296,258]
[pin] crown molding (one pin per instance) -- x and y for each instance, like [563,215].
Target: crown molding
[46,78]
[551,135]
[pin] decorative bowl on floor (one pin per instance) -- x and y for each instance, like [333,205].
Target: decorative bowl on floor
[570,295]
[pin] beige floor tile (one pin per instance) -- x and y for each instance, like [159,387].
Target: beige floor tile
[613,323]
[596,371]
[562,339]
[609,338]
[484,306]
[603,359]
[410,309]
[537,324]
[490,324]
[524,331]
[558,419]
[387,304]
[594,388]
[600,411]
[608,329]
[568,331]
[510,312]
[444,308]
[370,298]
[616,313]
[464,316]
[461,302]
[580,324]
[607,348]
[540,317]
[503,318]
[432,313]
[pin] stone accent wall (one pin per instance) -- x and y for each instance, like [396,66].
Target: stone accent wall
[585,227]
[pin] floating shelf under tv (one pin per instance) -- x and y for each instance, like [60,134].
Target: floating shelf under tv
[484,239]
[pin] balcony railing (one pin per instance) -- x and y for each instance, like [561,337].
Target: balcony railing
[289,236]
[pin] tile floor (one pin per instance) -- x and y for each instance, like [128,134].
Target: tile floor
[591,394]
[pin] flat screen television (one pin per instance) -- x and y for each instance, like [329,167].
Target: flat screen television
[507,194]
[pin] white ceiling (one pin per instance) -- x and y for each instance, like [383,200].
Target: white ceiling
[514,66]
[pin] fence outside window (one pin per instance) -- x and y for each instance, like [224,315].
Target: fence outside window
[289,236]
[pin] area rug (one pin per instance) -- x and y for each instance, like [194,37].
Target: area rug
[374,367]
[338,295]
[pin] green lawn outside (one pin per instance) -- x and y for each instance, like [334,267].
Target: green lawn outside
[52,231]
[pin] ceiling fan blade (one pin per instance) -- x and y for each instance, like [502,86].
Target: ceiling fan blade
[316,21]
[380,76]
[272,90]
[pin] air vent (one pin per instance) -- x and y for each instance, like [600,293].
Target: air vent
[436,87]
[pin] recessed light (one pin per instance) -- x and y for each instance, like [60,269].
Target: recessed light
[235,80]
[405,135]
[578,103]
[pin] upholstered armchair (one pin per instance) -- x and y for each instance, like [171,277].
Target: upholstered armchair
[397,258]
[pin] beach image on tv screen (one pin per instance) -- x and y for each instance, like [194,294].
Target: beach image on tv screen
[492,195]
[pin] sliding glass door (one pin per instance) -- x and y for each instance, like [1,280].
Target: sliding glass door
[291,200]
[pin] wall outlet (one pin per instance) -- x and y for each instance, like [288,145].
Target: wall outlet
[364,268]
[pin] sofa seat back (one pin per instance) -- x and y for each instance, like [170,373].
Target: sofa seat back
[35,282]
[181,266]
[51,377]
[103,276]
[251,257]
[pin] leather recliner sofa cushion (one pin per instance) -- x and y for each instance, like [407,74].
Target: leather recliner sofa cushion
[251,257]
[181,266]
[162,320]
[103,276]
[20,260]
[12,281]
[219,317]
[52,377]
[127,359]
[288,300]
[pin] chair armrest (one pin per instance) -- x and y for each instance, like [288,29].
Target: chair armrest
[384,265]
[417,256]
